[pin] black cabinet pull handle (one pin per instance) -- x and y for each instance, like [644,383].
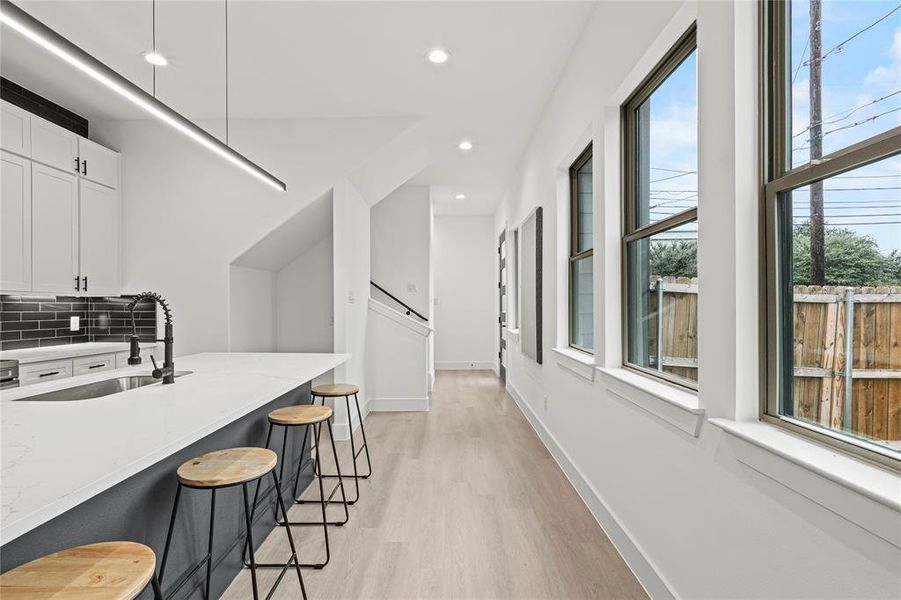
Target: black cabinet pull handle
[97,366]
[76,165]
[85,282]
[49,374]
[77,283]
[84,167]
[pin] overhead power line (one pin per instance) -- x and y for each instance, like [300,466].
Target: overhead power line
[846,114]
[838,47]
[849,126]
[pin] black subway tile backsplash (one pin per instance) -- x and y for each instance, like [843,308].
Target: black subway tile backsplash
[37,321]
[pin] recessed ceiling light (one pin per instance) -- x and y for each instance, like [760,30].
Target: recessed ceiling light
[438,56]
[155,58]
[465,145]
[460,196]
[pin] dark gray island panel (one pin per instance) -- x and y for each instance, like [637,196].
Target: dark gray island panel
[139,508]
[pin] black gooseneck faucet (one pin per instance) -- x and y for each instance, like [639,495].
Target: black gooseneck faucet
[167,373]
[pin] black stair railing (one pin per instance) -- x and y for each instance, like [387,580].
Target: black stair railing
[409,309]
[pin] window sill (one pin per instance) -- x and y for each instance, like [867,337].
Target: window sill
[864,494]
[576,361]
[677,407]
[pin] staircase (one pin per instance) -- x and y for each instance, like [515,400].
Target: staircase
[400,367]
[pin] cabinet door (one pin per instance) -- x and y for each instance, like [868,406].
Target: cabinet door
[15,223]
[54,219]
[15,129]
[99,238]
[53,145]
[98,164]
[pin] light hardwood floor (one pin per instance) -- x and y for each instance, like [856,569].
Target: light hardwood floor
[465,502]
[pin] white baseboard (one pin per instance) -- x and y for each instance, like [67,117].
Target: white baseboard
[476,365]
[399,404]
[649,577]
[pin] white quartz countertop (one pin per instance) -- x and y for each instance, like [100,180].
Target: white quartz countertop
[57,454]
[33,355]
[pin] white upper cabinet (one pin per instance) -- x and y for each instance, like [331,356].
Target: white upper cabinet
[99,238]
[15,223]
[98,164]
[54,146]
[59,209]
[15,129]
[54,199]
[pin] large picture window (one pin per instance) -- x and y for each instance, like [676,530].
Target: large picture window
[661,228]
[832,206]
[581,255]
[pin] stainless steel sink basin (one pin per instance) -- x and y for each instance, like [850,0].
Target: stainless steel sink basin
[98,388]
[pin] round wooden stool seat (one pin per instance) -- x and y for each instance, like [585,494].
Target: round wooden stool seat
[303,414]
[332,390]
[227,467]
[105,571]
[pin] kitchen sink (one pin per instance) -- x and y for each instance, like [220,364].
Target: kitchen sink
[98,388]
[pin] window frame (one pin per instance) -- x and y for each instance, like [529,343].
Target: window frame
[574,254]
[778,177]
[684,46]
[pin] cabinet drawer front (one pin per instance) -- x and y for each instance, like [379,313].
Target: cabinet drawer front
[94,364]
[44,371]
[53,145]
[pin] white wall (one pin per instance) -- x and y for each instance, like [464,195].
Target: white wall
[465,292]
[401,246]
[187,213]
[351,295]
[305,300]
[690,518]
[252,310]
[398,369]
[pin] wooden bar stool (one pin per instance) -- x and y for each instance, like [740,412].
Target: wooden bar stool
[309,417]
[104,571]
[222,469]
[337,390]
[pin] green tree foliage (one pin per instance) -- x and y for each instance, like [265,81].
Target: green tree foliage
[676,258]
[852,259]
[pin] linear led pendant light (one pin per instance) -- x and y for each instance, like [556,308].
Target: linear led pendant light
[17,19]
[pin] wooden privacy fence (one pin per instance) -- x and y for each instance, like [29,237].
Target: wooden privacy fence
[862,395]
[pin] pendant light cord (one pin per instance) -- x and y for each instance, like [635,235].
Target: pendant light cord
[226,72]
[153,39]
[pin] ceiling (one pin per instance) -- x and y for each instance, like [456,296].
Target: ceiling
[331,60]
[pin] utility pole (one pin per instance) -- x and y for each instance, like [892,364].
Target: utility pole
[817,220]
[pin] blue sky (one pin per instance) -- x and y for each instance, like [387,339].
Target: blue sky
[861,80]
[861,98]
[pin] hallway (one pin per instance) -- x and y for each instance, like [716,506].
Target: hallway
[465,502]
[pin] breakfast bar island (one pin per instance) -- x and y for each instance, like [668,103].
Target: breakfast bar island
[82,471]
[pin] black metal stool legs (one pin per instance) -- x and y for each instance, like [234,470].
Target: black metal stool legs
[157,591]
[248,548]
[248,522]
[208,559]
[353,450]
[323,501]
[365,443]
[248,517]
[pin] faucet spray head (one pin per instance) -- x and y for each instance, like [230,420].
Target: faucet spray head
[134,357]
